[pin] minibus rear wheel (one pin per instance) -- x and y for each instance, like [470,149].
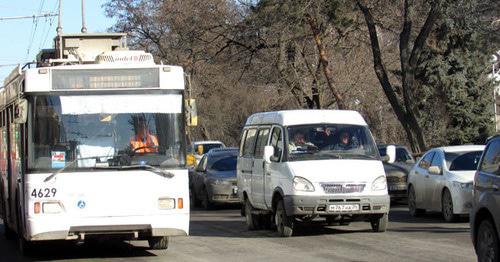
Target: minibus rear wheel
[251,219]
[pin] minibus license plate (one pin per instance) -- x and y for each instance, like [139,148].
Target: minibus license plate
[343,208]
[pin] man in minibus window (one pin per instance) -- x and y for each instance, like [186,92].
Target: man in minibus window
[299,143]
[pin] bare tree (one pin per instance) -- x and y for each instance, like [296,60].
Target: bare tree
[409,57]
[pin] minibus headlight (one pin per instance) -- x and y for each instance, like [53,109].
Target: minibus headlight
[302,184]
[166,203]
[379,184]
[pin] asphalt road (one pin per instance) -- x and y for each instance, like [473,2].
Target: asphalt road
[220,235]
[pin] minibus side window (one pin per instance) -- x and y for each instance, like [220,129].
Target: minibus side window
[242,143]
[249,146]
[277,143]
[261,142]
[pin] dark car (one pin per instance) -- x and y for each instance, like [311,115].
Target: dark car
[214,179]
[396,168]
[485,214]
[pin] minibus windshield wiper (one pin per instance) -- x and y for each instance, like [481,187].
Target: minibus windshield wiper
[158,171]
[360,156]
[70,164]
[330,154]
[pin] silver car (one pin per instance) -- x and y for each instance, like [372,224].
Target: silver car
[442,181]
[485,214]
[214,179]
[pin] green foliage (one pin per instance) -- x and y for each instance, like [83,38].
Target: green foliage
[455,96]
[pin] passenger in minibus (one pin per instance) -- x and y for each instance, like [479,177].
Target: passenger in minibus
[345,142]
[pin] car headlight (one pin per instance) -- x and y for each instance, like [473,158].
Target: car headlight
[379,184]
[465,186]
[302,184]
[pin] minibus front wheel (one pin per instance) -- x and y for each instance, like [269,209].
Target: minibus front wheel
[379,222]
[284,223]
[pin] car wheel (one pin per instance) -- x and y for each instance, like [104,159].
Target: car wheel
[157,243]
[412,204]
[379,223]
[205,200]
[487,242]
[251,219]
[284,223]
[194,201]
[447,207]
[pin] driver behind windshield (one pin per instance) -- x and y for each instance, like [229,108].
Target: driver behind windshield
[143,141]
[299,143]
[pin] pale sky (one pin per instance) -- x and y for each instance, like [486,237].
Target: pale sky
[19,36]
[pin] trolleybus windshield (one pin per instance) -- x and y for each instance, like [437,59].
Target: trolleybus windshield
[87,132]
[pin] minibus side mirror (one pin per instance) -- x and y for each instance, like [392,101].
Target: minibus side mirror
[385,158]
[391,153]
[268,152]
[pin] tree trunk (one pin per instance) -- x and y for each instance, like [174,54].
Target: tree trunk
[323,59]
[404,110]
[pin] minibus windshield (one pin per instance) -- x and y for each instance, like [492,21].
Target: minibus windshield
[330,141]
[88,132]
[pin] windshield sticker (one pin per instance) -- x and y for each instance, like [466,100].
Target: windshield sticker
[58,159]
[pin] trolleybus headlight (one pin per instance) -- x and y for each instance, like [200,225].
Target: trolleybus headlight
[51,208]
[166,203]
[379,184]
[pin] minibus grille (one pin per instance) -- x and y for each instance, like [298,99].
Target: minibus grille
[331,188]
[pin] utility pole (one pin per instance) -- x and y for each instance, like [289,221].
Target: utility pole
[59,30]
[84,27]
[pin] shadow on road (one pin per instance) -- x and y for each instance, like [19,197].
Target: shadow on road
[436,230]
[57,250]
[403,216]
[237,229]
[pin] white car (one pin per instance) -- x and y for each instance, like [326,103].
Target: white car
[442,181]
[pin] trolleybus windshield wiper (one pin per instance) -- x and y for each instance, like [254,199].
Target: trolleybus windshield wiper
[70,164]
[156,170]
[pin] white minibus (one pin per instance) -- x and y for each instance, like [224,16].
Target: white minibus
[298,165]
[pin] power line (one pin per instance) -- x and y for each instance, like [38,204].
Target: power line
[9,65]
[34,28]
[51,21]
[27,17]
